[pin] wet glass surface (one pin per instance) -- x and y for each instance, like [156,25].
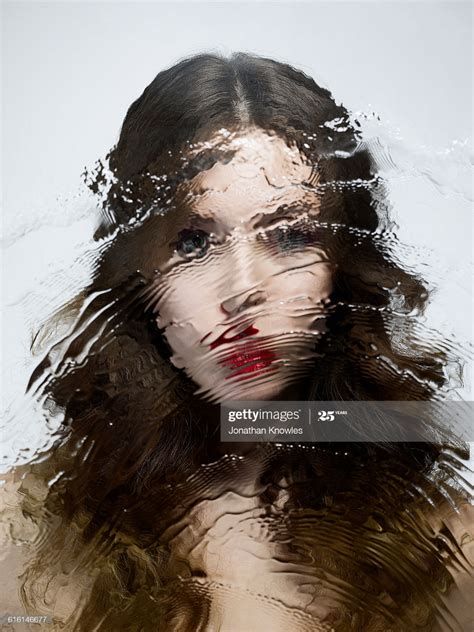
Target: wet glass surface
[253,268]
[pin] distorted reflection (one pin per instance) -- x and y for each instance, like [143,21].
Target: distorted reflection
[241,262]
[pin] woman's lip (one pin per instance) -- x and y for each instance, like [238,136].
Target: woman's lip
[249,331]
[248,359]
[242,356]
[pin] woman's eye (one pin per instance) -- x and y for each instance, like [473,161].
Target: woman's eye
[193,242]
[291,239]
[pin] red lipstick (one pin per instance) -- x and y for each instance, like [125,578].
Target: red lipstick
[248,358]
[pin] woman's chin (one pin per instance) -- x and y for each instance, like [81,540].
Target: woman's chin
[250,390]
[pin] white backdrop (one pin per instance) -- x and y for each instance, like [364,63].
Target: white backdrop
[70,71]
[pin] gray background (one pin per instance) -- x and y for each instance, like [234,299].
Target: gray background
[70,70]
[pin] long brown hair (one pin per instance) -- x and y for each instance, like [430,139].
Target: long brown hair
[132,428]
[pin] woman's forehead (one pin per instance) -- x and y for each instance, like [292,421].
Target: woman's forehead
[252,151]
[263,172]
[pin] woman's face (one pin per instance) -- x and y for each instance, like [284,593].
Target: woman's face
[242,298]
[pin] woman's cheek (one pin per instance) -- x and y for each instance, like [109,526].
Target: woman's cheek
[177,302]
[184,335]
[314,282]
[326,280]
[320,285]
[182,341]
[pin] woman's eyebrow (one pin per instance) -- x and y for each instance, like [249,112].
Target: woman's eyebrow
[196,220]
[260,220]
[283,211]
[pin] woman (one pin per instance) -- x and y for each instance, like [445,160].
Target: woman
[242,256]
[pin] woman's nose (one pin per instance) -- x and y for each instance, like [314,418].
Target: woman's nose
[240,302]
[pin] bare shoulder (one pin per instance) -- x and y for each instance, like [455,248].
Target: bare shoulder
[13,538]
[458,520]
[454,524]
[13,564]
[19,538]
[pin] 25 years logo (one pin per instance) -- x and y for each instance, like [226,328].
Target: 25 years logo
[326,415]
